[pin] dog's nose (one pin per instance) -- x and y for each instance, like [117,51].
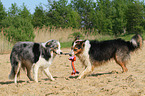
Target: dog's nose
[61,52]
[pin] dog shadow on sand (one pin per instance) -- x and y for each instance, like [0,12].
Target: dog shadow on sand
[104,73]
[10,82]
[71,77]
[96,74]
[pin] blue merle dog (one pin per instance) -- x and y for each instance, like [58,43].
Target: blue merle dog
[29,55]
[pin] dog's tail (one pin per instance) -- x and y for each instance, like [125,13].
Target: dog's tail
[15,70]
[136,42]
[12,74]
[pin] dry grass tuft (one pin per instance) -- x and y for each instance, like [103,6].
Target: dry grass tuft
[46,33]
[5,45]
[64,35]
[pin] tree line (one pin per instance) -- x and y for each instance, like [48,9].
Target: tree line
[113,17]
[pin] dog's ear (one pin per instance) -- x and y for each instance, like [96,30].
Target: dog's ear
[82,43]
[77,38]
[48,44]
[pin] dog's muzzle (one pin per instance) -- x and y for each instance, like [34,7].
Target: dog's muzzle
[55,52]
[61,53]
[58,53]
[71,53]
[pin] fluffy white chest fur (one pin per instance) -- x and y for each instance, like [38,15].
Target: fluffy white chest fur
[84,57]
[43,63]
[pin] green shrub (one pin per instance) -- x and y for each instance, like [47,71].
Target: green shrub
[19,29]
[75,34]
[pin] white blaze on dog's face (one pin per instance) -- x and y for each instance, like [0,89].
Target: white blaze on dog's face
[77,47]
[58,51]
[54,45]
[134,42]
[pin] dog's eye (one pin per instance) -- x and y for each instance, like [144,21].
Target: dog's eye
[78,46]
[75,49]
[56,48]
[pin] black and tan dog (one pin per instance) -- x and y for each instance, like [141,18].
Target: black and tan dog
[95,53]
[36,55]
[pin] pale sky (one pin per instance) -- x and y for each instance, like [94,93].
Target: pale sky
[31,4]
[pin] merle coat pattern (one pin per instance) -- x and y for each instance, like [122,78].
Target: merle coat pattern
[33,55]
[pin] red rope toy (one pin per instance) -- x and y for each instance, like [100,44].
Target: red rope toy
[72,59]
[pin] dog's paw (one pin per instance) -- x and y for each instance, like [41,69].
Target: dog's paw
[52,79]
[36,81]
[79,78]
[31,79]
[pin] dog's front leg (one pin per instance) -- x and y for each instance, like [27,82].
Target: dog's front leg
[86,71]
[35,72]
[48,74]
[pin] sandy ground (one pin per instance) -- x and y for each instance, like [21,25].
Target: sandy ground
[106,80]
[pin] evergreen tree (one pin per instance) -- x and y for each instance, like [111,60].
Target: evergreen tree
[24,12]
[73,19]
[143,22]
[134,17]
[62,15]
[104,14]
[86,10]
[16,26]
[118,16]
[12,13]
[13,10]
[39,18]
[3,14]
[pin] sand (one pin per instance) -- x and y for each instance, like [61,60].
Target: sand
[106,80]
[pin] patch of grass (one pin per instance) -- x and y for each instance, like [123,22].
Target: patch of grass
[143,35]
[127,37]
[7,62]
[105,37]
[66,44]
[100,38]
[90,37]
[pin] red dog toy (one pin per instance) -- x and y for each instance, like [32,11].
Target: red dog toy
[72,59]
